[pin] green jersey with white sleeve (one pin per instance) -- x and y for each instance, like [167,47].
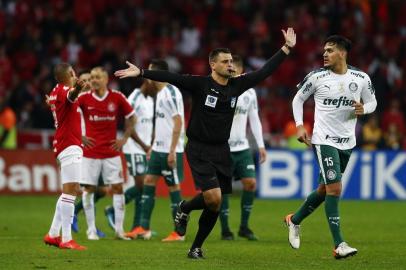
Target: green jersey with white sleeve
[144,112]
[169,103]
[246,110]
[334,94]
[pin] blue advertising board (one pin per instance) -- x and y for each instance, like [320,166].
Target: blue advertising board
[375,175]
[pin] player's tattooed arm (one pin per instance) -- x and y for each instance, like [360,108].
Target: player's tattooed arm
[74,93]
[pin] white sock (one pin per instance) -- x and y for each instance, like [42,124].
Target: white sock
[119,210]
[67,208]
[88,207]
[57,220]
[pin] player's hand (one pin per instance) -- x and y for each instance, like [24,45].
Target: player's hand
[149,154]
[88,142]
[47,101]
[290,37]
[359,108]
[172,160]
[79,85]
[131,71]
[302,135]
[262,155]
[118,143]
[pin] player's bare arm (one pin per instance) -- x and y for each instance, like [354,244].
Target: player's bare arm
[117,144]
[177,121]
[358,107]
[137,139]
[302,135]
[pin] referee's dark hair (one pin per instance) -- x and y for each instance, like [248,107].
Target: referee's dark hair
[341,42]
[159,64]
[213,54]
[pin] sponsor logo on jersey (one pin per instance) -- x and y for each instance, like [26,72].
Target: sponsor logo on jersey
[236,143]
[356,74]
[240,110]
[101,118]
[111,107]
[251,167]
[338,102]
[331,174]
[337,139]
[160,115]
[246,100]
[353,87]
[211,101]
[159,143]
[323,75]
[146,120]
[307,88]
[233,101]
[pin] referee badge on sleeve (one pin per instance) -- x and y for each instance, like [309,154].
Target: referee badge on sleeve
[211,101]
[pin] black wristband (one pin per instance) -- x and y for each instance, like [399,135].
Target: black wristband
[287,46]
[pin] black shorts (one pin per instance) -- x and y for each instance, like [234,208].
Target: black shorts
[211,165]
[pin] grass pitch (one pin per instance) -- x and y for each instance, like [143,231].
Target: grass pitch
[376,229]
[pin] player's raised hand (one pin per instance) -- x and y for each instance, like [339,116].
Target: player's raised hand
[302,135]
[131,71]
[290,37]
[359,107]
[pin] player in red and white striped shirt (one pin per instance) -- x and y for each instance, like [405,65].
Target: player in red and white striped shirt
[68,151]
[101,109]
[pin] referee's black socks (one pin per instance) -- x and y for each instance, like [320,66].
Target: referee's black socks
[207,221]
[197,203]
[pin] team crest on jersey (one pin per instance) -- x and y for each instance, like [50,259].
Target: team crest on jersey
[353,87]
[211,101]
[331,174]
[246,100]
[233,101]
[111,107]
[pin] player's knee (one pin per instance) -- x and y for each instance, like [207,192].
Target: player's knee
[334,189]
[249,184]
[213,202]
[149,181]
[321,190]
[117,188]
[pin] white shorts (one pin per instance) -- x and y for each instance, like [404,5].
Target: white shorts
[110,169]
[70,161]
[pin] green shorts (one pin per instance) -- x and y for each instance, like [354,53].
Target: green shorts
[243,164]
[158,165]
[332,163]
[136,163]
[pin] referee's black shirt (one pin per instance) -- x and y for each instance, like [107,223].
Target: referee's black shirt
[213,105]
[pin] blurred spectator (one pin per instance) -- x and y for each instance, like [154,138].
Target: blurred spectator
[371,134]
[8,129]
[392,137]
[393,115]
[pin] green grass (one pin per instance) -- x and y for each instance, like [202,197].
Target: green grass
[377,229]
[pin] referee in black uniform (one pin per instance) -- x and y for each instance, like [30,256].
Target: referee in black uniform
[214,100]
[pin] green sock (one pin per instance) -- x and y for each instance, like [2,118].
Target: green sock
[147,204]
[137,207]
[247,200]
[224,213]
[130,194]
[333,218]
[175,200]
[310,204]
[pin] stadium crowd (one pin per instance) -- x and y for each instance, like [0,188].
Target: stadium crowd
[36,35]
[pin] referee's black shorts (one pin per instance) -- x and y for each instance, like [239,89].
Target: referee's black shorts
[211,165]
